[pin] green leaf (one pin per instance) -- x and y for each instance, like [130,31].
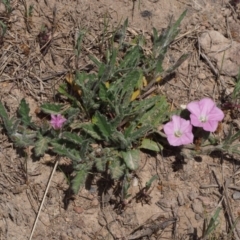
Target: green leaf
[84,149]
[176,64]
[129,84]
[62,150]
[51,108]
[131,59]
[162,42]
[157,114]
[95,60]
[63,90]
[72,137]
[131,158]
[140,132]
[8,124]
[103,92]
[122,33]
[24,111]
[78,46]
[3,29]
[92,130]
[116,169]
[214,222]
[120,141]
[79,178]
[41,145]
[149,183]
[100,164]
[23,139]
[128,131]
[151,145]
[126,187]
[103,125]
[236,90]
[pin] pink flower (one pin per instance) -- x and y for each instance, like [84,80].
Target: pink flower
[205,114]
[178,131]
[57,121]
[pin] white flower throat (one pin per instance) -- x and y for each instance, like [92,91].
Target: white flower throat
[203,119]
[178,133]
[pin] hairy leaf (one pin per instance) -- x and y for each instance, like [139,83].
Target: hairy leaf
[51,108]
[41,145]
[63,90]
[103,125]
[62,150]
[92,130]
[100,164]
[129,84]
[72,137]
[79,178]
[156,115]
[7,122]
[140,132]
[131,158]
[116,169]
[23,139]
[151,145]
[131,59]
[24,111]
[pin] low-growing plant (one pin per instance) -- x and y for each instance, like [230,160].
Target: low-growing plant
[3,30]
[8,7]
[212,225]
[110,119]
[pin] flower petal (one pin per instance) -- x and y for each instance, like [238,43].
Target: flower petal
[168,128]
[195,121]
[185,125]
[210,126]
[57,121]
[187,138]
[176,122]
[193,107]
[206,105]
[216,114]
[174,141]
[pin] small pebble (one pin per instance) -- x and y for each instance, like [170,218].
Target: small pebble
[94,202]
[78,210]
[201,76]
[236,195]
[146,13]
[197,206]
[180,199]
[197,217]
[192,195]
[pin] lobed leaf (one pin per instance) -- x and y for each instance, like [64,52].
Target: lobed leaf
[62,150]
[24,111]
[41,145]
[79,178]
[92,130]
[72,137]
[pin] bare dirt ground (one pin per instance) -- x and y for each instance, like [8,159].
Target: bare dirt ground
[34,61]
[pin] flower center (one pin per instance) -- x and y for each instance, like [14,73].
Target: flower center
[178,133]
[203,119]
